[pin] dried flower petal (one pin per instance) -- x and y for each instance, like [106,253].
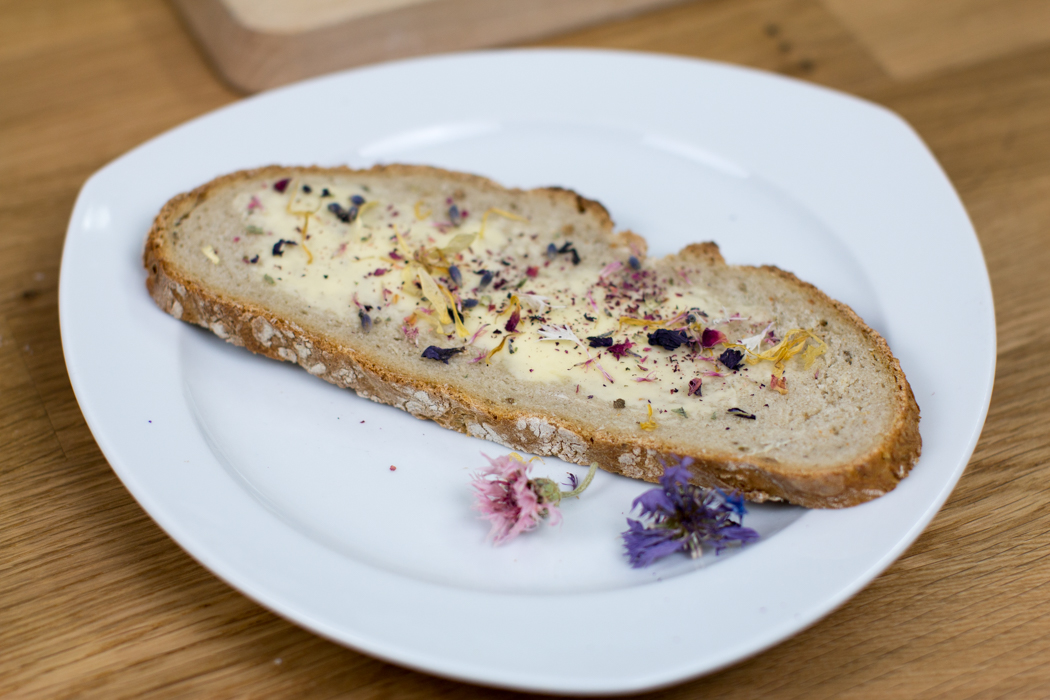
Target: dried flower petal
[620,349]
[433,352]
[711,338]
[278,247]
[650,423]
[454,217]
[731,358]
[779,384]
[456,275]
[668,339]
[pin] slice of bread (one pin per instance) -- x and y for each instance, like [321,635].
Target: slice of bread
[522,318]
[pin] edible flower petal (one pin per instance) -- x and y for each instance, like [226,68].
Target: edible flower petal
[433,352]
[790,345]
[650,423]
[620,349]
[752,343]
[493,351]
[610,269]
[711,338]
[499,212]
[778,384]
[668,339]
[731,358]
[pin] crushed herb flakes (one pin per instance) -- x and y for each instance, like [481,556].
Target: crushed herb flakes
[741,413]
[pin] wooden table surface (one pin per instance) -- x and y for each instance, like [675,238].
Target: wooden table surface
[96,601]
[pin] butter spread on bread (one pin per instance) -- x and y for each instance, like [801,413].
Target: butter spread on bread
[522,318]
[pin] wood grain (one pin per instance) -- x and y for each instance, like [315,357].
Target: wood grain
[96,601]
[258,45]
[898,32]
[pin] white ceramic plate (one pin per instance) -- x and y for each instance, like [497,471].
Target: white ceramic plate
[280,483]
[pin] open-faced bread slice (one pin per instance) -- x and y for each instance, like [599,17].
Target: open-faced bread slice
[521,317]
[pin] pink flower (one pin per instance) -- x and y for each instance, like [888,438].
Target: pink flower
[507,498]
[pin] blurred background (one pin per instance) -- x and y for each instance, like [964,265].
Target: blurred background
[96,601]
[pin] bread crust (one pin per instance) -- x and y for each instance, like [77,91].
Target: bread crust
[638,456]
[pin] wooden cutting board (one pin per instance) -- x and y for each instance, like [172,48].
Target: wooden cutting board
[259,44]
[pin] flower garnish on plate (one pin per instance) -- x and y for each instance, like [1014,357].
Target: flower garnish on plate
[679,516]
[514,503]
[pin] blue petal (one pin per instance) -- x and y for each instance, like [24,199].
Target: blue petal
[743,535]
[673,476]
[646,545]
[735,500]
[653,502]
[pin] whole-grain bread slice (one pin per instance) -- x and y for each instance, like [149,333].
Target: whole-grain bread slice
[521,317]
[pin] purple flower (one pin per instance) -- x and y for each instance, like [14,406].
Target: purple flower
[679,516]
